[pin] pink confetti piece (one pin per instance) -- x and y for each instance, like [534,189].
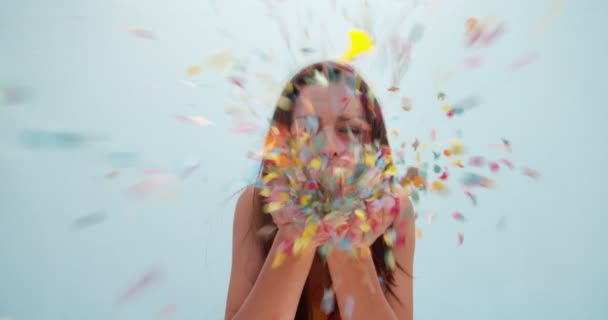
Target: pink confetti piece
[494,167]
[460,239]
[150,184]
[523,61]
[474,62]
[244,127]
[237,81]
[507,163]
[477,161]
[489,38]
[166,311]
[457,216]
[198,120]
[255,155]
[433,135]
[144,282]
[140,33]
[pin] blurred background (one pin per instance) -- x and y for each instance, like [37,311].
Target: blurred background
[127,129]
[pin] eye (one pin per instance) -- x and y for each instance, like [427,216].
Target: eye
[354,130]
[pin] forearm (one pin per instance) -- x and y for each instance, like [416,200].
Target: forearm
[356,279]
[277,290]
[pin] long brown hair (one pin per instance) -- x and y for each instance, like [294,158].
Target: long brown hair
[284,116]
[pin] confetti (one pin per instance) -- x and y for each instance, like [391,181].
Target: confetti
[460,239]
[112,174]
[494,167]
[50,139]
[193,70]
[148,185]
[393,89]
[473,62]
[441,96]
[327,304]
[530,173]
[147,280]
[458,216]
[349,306]
[557,5]
[166,311]
[245,127]
[141,33]
[416,144]
[198,120]
[360,42]
[89,220]
[523,61]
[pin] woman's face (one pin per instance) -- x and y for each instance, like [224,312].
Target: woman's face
[334,113]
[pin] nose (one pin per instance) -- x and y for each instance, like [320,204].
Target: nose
[329,146]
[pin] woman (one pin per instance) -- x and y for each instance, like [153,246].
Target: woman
[343,107]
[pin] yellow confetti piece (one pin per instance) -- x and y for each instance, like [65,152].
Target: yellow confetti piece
[272,206]
[424,147]
[284,103]
[269,177]
[446,108]
[360,42]
[265,192]
[360,213]
[457,146]
[278,260]
[193,70]
[388,238]
[458,163]
[437,185]
[391,170]
[284,196]
[305,200]
[369,160]
[390,260]
[417,159]
[365,226]
[316,163]
[419,234]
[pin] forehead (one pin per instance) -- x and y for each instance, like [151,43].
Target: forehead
[328,101]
